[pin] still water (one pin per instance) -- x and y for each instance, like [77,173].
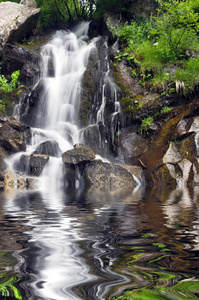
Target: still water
[98,246]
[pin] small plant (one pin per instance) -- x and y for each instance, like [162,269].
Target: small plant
[9,86]
[147,122]
[166,109]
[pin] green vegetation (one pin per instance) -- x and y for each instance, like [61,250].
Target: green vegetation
[147,122]
[7,87]
[182,290]
[165,47]
[7,286]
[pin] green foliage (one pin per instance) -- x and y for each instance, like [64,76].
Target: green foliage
[166,39]
[187,77]
[9,86]
[133,34]
[166,109]
[146,123]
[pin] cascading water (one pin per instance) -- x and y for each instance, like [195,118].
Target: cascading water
[64,61]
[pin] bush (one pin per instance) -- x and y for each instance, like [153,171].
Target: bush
[9,86]
[164,40]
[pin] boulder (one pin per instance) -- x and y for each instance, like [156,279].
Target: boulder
[10,139]
[79,155]
[33,164]
[50,148]
[133,145]
[16,22]
[17,58]
[100,175]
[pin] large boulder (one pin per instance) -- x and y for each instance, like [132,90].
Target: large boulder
[105,176]
[50,148]
[16,22]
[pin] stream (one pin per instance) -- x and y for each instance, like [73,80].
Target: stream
[90,245]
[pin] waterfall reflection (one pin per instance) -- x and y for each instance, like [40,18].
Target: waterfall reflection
[97,246]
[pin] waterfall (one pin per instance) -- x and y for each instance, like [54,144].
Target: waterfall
[52,108]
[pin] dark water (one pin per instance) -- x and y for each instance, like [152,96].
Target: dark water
[98,246]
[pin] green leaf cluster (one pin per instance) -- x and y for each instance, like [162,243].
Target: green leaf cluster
[9,86]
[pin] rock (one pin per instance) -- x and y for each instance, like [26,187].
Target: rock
[29,108]
[187,147]
[16,22]
[96,137]
[17,58]
[50,148]
[133,145]
[100,175]
[136,172]
[32,164]
[21,183]
[80,154]
[10,178]
[172,155]
[10,139]
[31,183]
[29,3]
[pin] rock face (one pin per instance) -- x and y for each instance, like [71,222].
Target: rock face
[169,157]
[12,136]
[17,58]
[16,21]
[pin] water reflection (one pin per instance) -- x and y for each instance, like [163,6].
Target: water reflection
[98,246]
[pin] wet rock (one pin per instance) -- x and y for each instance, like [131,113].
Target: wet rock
[16,22]
[10,139]
[21,183]
[80,154]
[136,172]
[32,164]
[133,145]
[50,148]
[29,108]
[17,58]
[100,175]
[31,183]
[96,136]
[10,178]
